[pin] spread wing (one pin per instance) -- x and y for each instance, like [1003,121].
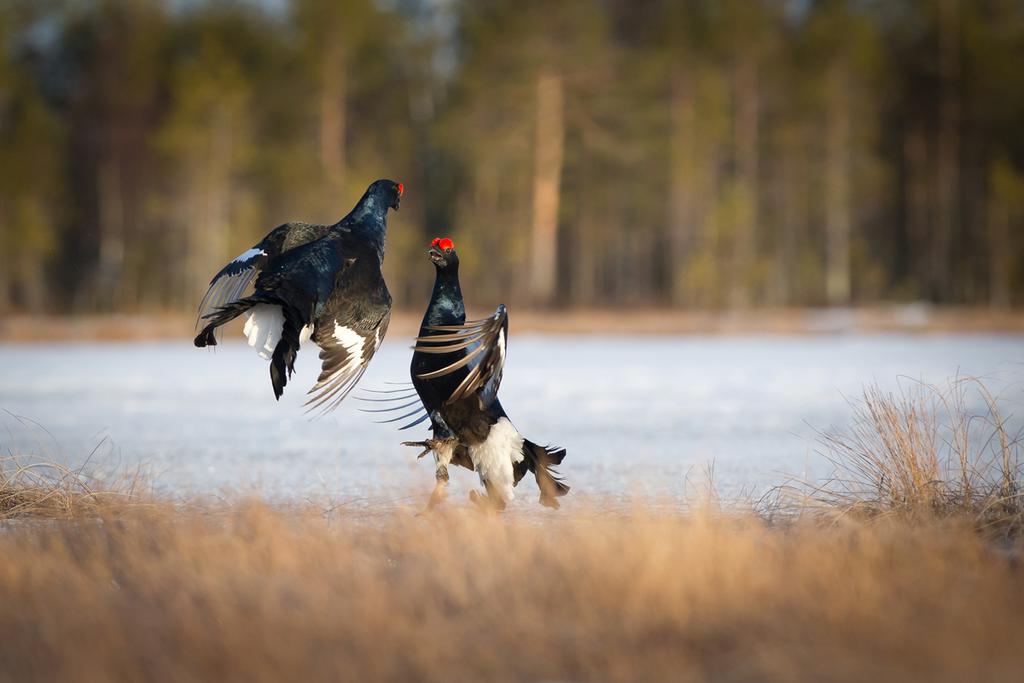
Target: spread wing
[347,345]
[485,341]
[234,280]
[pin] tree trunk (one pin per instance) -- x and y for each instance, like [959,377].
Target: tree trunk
[999,254]
[333,119]
[217,191]
[681,218]
[208,205]
[33,285]
[6,262]
[790,186]
[947,150]
[111,227]
[747,112]
[916,209]
[837,190]
[547,177]
[583,270]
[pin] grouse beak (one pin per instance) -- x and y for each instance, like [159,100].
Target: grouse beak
[435,254]
[398,200]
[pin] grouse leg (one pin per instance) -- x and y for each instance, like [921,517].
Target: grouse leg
[440,491]
[487,503]
[442,450]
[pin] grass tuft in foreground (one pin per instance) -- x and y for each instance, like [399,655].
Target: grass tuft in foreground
[256,593]
[924,452]
[50,490]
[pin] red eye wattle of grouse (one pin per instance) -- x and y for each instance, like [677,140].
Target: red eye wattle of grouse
[442,254]
[319,282]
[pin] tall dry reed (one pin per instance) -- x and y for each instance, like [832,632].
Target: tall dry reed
[35,488]
[924,450]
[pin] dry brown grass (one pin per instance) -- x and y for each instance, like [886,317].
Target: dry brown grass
[897,585]
[33,488]
[925,451]
[256,593]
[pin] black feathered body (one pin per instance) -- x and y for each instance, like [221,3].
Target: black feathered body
[446,307]
[313,281]
[495,449]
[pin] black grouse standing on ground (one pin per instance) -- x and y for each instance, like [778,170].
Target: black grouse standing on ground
[456,370]
[312,281]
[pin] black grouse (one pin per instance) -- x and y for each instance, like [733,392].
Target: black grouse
[312,281]
[456,370]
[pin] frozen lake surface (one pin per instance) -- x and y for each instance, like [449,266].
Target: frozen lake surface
[638,415]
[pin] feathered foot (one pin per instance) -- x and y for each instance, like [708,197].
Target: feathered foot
[442,450]
[486,504]
[439,493]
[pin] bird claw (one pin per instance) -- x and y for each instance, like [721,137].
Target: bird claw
[425,445]
[428,445]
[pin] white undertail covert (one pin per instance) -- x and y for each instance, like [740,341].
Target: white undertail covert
[263,329]
[494,457]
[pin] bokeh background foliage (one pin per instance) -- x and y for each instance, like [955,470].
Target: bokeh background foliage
[704,154]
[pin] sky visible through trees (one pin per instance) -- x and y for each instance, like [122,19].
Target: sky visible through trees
[707,154]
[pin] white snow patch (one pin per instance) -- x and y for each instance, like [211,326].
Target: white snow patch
[752,405]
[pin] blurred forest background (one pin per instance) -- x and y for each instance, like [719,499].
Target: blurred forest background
[706,154]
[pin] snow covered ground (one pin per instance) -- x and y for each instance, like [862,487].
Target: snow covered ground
[638,415]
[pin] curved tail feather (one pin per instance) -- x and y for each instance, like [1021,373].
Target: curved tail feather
[540,460]
[221,316]
[282,363]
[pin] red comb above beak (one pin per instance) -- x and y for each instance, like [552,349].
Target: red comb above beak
[401,189]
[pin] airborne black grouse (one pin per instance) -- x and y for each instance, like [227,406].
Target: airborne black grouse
[312,281]
[456,370]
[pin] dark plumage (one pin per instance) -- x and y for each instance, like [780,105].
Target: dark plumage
[456,371]
[312,281]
